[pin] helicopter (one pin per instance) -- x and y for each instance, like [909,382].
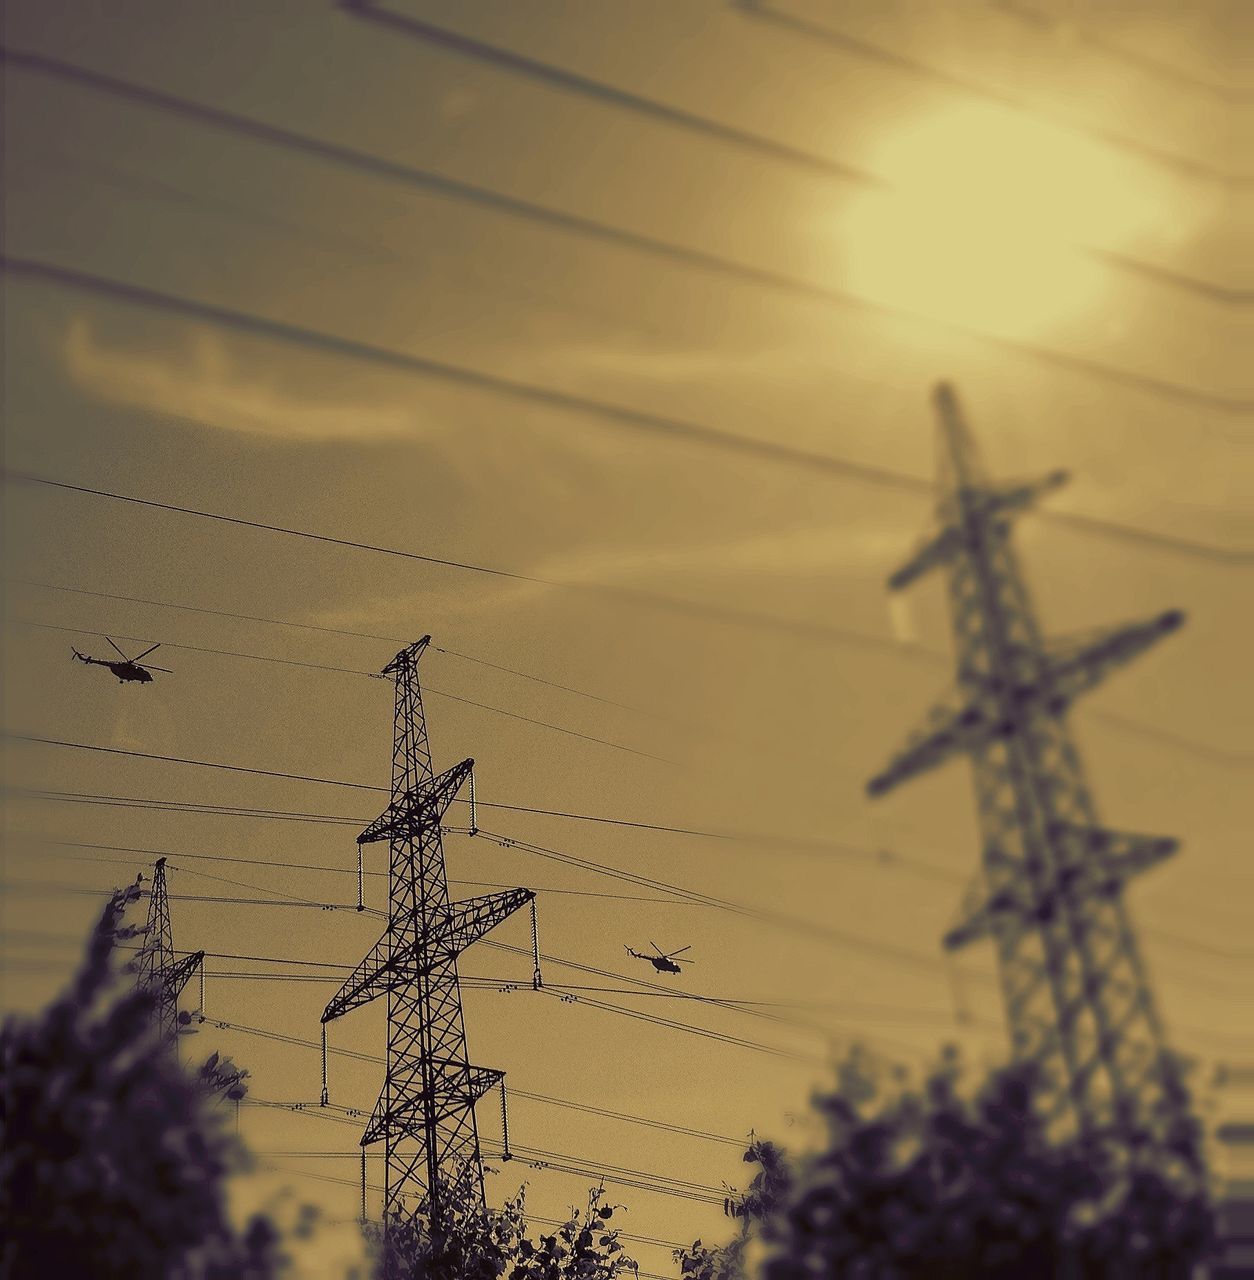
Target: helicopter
[662,962]
[128,668]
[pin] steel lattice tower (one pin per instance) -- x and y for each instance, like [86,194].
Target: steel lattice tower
[1077,998]
[155,965]
[425,1115]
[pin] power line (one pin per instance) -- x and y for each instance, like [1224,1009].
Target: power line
[643,1121]
[591,969]
[356,1184]
[216,613]
[788,922]
[572,81]
[506,985]
[793,845]
[677,894]
[291,900]
[791,923]
[320,1114]
[567,993]
[161,805]
[900,648]
[865,49]
[723,613]
[184,856]
[351,671]
[567,80]
[1039,19]
[512,206]
[597,90]
[670,1023]
[552,684]
[661,1182]
[636,596]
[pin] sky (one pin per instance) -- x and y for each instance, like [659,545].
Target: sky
[639,307]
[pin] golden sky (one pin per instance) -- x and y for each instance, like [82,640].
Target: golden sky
[643,302]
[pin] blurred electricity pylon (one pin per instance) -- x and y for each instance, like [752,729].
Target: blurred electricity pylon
[1076,994]
[425,1115]
[155,965]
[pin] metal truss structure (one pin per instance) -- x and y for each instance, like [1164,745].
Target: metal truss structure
[156,966]
[425,1115]
[1075,990]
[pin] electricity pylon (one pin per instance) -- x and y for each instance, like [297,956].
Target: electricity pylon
[1077,998]
[156,967]
[425,1115]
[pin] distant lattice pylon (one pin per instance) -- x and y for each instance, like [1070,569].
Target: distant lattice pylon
[156,965]
[1074,986]
[425,1115]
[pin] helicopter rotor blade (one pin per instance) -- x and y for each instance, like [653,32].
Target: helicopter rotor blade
[147,667]
[656,948]
[119,651]
[680,952]
[146,652]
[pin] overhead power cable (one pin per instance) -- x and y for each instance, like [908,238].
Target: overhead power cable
[782,843]
[806,28]
[336,631]
[911,650]
[666,893]
[350,671]
[183,856]
[678,894]
[574,994]
[569,81]
[636,596]
[159,804]
[356,1184]
[609,1172]
[292,900]
[648,1122]
[501,203]
[583,968]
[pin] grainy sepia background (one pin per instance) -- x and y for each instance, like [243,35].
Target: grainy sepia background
[639,302]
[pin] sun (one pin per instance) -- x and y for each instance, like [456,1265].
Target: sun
[984,218]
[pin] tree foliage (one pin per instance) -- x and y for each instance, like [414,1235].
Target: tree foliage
[471,1242]
[113,1157]
[938,1182]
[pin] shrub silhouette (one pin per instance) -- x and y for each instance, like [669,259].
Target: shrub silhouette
[936,1184]
[113,1157]
[471,1242]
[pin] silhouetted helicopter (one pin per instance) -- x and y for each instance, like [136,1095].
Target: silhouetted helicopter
[661,962]
[128,668]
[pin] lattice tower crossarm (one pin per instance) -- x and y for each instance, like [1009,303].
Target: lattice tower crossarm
[425,1115]
[1077,998]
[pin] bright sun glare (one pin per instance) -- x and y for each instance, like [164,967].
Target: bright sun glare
[984,214]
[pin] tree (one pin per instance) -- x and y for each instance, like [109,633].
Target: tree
[938,1182]
[472,1242]
[760,1202]
[113,1157]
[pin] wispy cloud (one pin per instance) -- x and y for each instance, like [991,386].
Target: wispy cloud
[204,384]
[800,551]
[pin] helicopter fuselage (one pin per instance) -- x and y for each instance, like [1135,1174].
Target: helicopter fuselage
[123,670]
[129,671]
[663,964]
